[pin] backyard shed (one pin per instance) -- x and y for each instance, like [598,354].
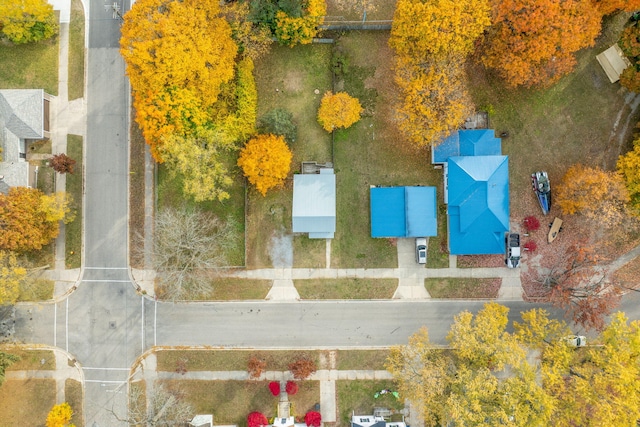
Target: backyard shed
[403,211]
[314,204]
[613,61]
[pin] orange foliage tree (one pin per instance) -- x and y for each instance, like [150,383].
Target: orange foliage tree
[629,168]
[609,6]
[60,416]
[29,219]
[179,55]
[431,41]
[630,45]
[597,194]
[532,43]
[339,110]
[265,161]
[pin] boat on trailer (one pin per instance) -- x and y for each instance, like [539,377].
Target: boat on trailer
[542,187]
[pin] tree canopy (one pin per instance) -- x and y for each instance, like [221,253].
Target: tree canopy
[60,416]
[532,43]
[339,110]
[491,377]
[629,168]
[29,219]
[25,21]
[266,161]
[11,278]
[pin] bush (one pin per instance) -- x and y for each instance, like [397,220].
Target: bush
[274,388]
[530,246]
[255,367]
[292,387]
[531,223]
[257,419]
[313,418]
[278,122]
[62,163]
[302,368]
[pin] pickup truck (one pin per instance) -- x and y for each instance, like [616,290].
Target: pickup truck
[512,243]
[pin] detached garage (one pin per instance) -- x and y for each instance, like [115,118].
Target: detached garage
[314,204]
[403,212]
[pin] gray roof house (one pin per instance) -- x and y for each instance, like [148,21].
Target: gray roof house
[314,204]
[24,116]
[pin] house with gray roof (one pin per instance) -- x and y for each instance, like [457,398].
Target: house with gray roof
[24,117]
[314,204]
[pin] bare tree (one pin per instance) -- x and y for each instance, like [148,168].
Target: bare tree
[189,246]
[164,408]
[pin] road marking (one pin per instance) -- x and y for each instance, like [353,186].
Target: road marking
[106,280]
[107,369]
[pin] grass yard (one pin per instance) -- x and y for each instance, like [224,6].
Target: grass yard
[372,152]
[363,289]
[32,360]
[73,396]
[361,359]
[26,402]
[231,401]
[468,288]
[438,249]
[73,231]
[233,289]
[288,79]
[76,51]
[379,10]
[33,65]
[136,194]
[309,253]
[358,396]
[36,289]
[229,360]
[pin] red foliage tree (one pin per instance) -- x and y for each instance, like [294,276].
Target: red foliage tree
[274,387]
[302,368]
[62,163]
[257,419]
[255,367]
[530,246]
[292,387]
[313,418]
[531,223]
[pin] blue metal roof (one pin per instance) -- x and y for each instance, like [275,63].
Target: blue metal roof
[403,211]
[467,142]
[478,204]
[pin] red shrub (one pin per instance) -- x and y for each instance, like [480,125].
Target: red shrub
[255,367]
[292,387]
[530,246]
[62,163]
[274,387]
[531,223]
[313,419]
[257,419]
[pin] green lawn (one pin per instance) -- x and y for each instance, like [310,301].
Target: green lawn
[33,66]
[32,360]
[36,289]
[76,51]
[463,288]
[358,396]
[73,396]
[363,289]
[73,235]
[309,253]
[361,359]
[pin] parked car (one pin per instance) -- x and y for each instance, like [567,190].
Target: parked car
[576,340]
[512,243]
[421,250]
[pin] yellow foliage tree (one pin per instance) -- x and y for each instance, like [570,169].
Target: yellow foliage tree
[179,54]
[253,40]
[291,30]
[629,168]
[532,43]
[11,278]
[60,416]
[30,219]
[265,161]
[597,194]
[338,110]
[24,21]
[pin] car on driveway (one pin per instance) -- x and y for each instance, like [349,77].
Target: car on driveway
[512,243]
[421,250]
[576,340]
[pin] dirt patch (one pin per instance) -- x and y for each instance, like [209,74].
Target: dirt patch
[294,81]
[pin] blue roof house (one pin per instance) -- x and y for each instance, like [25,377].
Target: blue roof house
[476,180]
[403,211]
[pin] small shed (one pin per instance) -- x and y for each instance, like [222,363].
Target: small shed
[613,61]
[203,420]
[403,211]
[314,204]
